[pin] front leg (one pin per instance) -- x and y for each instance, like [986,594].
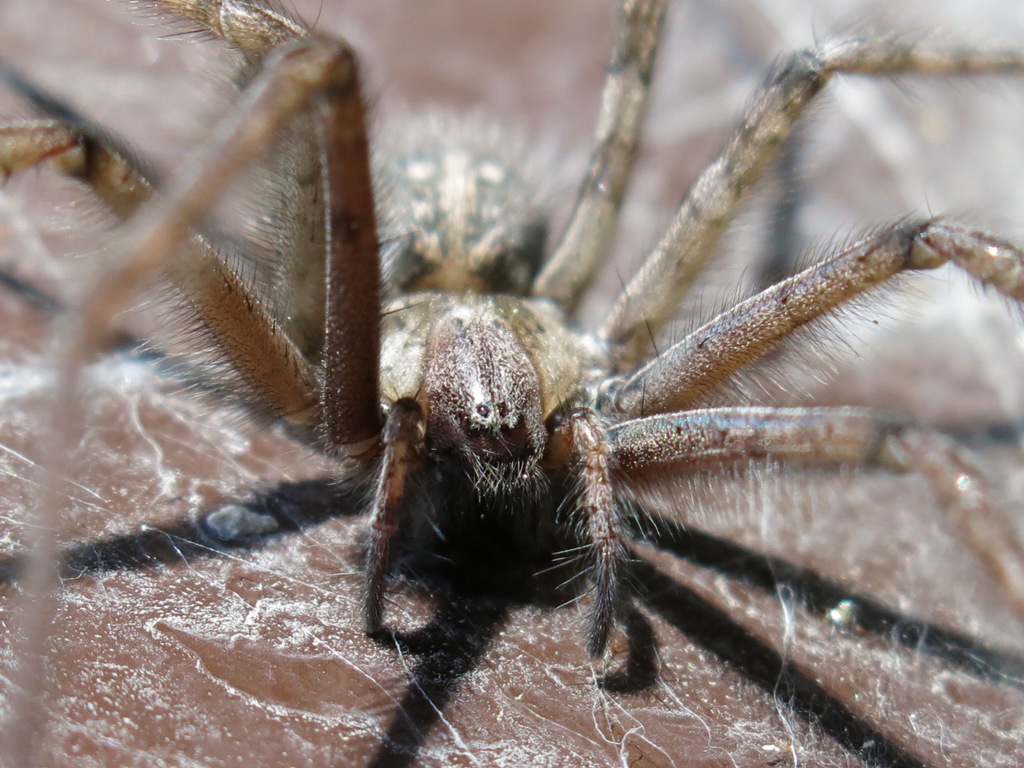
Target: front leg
[402,454]
[729,438]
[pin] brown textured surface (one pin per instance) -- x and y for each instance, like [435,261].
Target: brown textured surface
[171,650]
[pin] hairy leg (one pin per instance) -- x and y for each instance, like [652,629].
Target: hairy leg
[293,204]
[273,373]
[687,372]
[254,26]
[582,444]
[402,454]
[651,297]
[715,439]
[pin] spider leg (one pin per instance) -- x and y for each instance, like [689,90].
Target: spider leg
[589,234]
[583,436]
[291,218]
[254,26]
[687,372]
[278,379]
[709,440]
[25,144]
[651,297]
[346,335]
[348,418]
[402,454]
[295,76]
[314,73]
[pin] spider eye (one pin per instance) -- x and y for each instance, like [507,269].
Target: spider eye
[471,426]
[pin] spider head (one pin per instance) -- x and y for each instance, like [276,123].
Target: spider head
[488,371]
[483,399]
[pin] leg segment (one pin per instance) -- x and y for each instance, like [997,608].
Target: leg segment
[291,226]
[709,440]
[402,455]
[294,77]
[349,403]
[687,372]
[28,143]
[652,295]
[254,26]
[591,228]
[273,372]
[599,519]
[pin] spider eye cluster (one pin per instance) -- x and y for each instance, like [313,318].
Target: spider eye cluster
[489,417]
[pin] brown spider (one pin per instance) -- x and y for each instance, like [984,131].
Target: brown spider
[489,397]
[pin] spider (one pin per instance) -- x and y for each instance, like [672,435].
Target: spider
[559,413]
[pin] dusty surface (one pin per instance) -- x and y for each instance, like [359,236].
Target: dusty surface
[171,648]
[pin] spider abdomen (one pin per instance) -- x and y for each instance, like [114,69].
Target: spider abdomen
[461,202]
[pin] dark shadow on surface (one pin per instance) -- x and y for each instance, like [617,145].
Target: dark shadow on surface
[640,670]
[439,656]
[442,655]
[819,595]
[50,307]
[445,651]
[296,506]
[711,629]
[290,506]
[33,296]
